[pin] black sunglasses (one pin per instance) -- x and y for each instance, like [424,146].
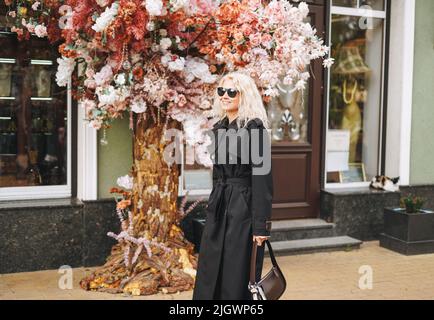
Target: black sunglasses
[232,93]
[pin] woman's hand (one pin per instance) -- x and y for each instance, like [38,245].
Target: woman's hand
[260,239]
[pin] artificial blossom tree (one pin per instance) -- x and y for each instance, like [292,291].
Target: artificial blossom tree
[157,62]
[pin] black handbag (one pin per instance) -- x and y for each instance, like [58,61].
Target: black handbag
[273,284]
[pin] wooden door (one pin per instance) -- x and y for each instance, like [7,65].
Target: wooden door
[296,155]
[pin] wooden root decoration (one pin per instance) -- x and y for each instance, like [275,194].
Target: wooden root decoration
[152,254]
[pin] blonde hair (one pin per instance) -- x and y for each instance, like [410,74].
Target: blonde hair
[250,106]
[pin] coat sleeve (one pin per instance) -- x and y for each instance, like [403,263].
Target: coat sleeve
[262,184]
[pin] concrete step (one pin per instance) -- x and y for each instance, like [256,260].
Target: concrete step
[301,229]
[301,246]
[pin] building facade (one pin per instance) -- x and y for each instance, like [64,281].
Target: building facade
[369,115]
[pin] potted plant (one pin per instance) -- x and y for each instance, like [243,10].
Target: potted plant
[412,204]
[408,229]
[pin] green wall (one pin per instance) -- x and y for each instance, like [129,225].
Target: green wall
[114,159]
[422,137]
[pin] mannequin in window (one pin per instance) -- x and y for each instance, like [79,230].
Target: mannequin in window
[353,70]
[352,116]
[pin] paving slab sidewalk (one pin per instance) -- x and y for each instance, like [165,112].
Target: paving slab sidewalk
[317,276]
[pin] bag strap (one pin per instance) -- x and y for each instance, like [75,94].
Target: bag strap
[253,263]
[253,259]
[271,253]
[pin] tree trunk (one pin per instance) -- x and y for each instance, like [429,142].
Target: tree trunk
[154,217]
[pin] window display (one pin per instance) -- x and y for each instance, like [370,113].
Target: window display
[355,95]
[33,114]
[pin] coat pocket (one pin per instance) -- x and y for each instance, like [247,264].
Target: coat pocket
[245,196]
[211,201]
[241,205]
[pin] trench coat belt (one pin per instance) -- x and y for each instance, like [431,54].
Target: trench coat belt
[221,184]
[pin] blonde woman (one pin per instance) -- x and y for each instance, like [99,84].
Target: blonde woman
[239,206]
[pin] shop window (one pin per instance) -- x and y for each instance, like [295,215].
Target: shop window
[34,119]
[355,105]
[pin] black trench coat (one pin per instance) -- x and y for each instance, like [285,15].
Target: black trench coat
[238,207]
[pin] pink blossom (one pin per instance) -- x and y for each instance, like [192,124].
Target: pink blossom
[255,39]
[267,40]
[182,100]
[170,94]
[41,31]
[89,72]
[104,75]
[30,27]
[88,105]
[96,124]
[246,29]
[89,83]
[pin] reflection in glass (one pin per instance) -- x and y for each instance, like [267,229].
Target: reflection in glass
[374,4]
[288,115]
[6,77]
[355,96]
[41,81]
[345,3]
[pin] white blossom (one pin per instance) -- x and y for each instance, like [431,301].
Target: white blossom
[96,124]
[192,126]
[150,26]
[106,95]
[106,17]
[35,5]
[154,7]
[125,182]
[173,62]
[104,75]
[41,31]
[138,106]
[102,3]
[179,4]
[300,85]
[304,9]
[64,71]
[177,65]
[328,62]
[197,68]
[120,79]
[165,43]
